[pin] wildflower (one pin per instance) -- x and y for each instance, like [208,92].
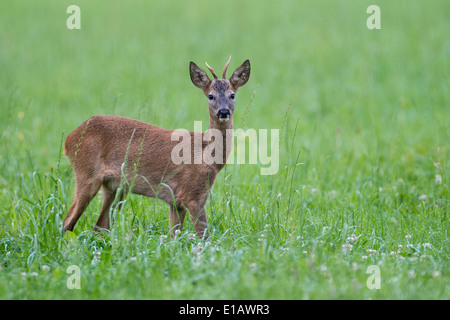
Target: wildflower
[427,245]
[408,236]
[351,239]
[163,238]
[409,246]
[437,164]
[423,197]
[21,136]
[46,268]
[314,191]
[191,236]
[21,115]
[133,259]
[364,257]
[411,274]
[436,274]
[347,248]
[438,179]
[260,241]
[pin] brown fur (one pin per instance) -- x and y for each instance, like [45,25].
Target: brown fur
[99,147]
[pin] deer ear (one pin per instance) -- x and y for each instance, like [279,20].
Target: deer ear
[241,75]
[198,76]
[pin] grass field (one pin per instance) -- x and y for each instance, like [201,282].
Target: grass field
[364,120]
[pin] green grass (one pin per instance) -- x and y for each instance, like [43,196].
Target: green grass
[364,124]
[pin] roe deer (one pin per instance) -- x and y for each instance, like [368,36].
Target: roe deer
[121,155]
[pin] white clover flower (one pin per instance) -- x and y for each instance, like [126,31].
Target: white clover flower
[347,247]
[436,274]
[191,236]
[351,239]
[438,179]
[408,237]
[423,197]
[260,241]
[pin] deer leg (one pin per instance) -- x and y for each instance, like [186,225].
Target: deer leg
[198,217]
[83,196]
[109,196]
[176,219]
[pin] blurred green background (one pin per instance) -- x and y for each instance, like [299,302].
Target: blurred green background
[317,56]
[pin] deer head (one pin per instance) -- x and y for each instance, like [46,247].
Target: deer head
[220,92]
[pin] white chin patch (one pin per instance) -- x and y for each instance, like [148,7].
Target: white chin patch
[224,119]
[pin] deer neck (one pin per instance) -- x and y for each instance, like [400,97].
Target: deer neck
[219,138]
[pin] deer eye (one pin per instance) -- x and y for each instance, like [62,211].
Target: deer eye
[232,96]
[210,97]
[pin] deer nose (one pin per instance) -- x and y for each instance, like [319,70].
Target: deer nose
[223,114]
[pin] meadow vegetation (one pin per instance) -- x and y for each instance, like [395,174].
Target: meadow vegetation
[364,120]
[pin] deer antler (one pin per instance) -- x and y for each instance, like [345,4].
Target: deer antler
[226,67]
[212,71]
